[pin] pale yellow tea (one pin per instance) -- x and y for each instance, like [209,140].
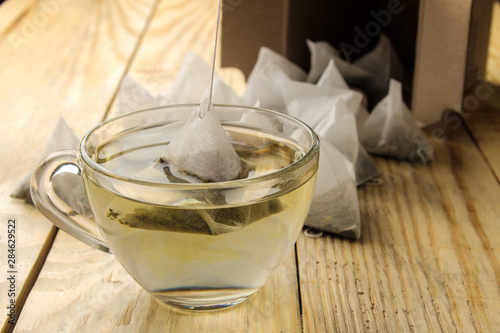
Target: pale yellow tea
[207,247]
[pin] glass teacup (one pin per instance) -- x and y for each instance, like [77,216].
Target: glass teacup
[194,245]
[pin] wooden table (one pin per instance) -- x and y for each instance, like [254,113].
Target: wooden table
[428,259]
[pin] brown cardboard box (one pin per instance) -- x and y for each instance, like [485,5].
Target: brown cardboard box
[442,43]
[451,55]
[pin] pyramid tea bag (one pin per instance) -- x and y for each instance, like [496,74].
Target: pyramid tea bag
[321,54]
[68,187]
[331,77]
[370,73]
[330,112]
[191,85]
[335,206]
[364,166]
[201,148]
[391,131]
[264,86]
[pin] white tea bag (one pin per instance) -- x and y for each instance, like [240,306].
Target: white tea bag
[132,96]
[265,88]
[329,111]
[370,73]
[192,81]
[335,206]
[364,166]
[321,54]
[68,187]
[331,77]
[264,84]
[267,56]
[391,131]
[202,148]
[384,64]
[310,94]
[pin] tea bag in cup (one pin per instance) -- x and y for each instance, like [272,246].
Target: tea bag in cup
[200,151]
[391,131]
[201,148]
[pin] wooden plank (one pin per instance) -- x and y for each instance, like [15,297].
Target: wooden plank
[176,28]
[481,107]
[428,259]
[12,12]
[493,61]
[88,291]
[483,121]
[67,61]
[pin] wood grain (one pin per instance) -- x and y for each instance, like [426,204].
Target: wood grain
[12,12]
[428,259]
[493,61]
[176,28]
[483,122]
[31,278]
[58,58]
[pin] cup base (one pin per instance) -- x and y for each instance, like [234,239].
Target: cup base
[212,299]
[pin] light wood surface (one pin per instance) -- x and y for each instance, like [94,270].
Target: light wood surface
[57,58]
[427,261]
[493,62]
[484,126]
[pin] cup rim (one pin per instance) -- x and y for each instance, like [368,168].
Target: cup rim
[314,147]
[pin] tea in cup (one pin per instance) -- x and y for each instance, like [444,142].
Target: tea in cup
[195,245]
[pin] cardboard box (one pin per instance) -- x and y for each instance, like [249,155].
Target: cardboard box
[451,56]
[442,43]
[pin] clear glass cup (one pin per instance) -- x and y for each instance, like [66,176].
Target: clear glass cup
[193,245]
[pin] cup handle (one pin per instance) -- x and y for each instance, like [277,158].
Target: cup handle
[54,208]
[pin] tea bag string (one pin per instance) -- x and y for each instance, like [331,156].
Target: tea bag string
[213,58]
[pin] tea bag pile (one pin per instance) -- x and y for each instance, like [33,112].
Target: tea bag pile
[370,73]
[333,98]
[336,112]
